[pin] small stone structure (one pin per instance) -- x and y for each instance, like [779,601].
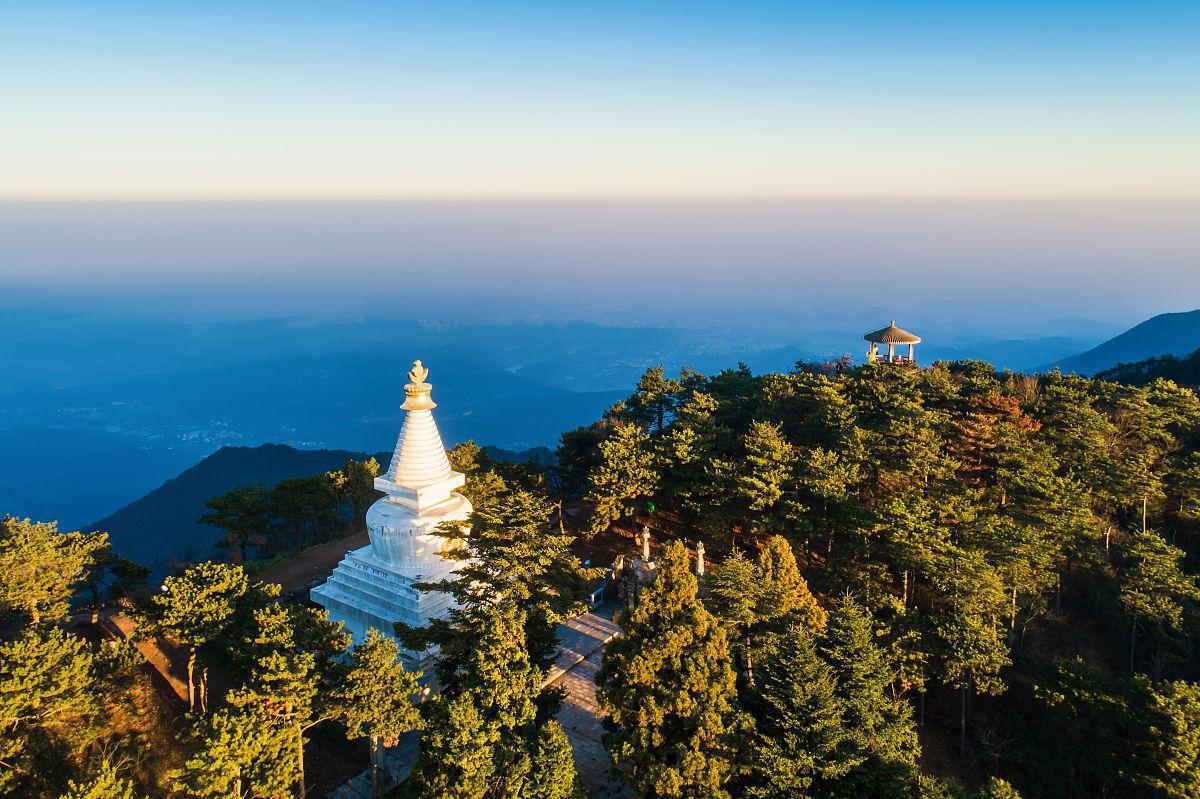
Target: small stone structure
[891,336]
[373,586]
[632,575]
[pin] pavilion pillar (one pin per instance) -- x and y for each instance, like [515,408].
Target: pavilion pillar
[891,353]
[910,352]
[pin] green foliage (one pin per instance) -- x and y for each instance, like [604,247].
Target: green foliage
[997,788]
[880,726]
[654,400]
[1184,370]
[40,567]
[354,484]
[303,507]
[483,738]
[197,607]
[552,767]
[1174,740]
[483,483]
[627,473]
[376,694]
[511,553]
[782,591]
[106,783]
[801,743]
[47,691]
[766,477]
[1155,592]
[669,687]
[244,513]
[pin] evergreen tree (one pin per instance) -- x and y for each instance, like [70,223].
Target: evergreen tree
[483,483]
[278,703]
[105,783]
[122,576]
[1155,592]
[354,484]
[48,689]
[552,767]
[881,727]
[244,514]
[627,472]
[766,477]
[195,608]
[513,554]
[654,400]
[782,591]
[996,788]
[457,759]
[303,506]
[376,697]
[731,593]
[1174,733]
[801,745]
[669,688]
[41,567]
[482,732]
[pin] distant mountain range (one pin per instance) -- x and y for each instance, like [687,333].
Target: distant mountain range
[161,527]
[1166,334]
[1184,371]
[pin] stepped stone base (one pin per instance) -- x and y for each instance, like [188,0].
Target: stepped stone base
[364,592]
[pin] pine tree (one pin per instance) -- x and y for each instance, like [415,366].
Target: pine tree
[731,593]
[669,688]
[996,788]
[766,477]
[105,783]
[628,471]
[781,599]
[801,744]
[881,726]
[41,567]
[783,592]
[1174,733]
[654,400]
[244,513]
[1155,592]
[195,608]
[511,553]
[231,743]
[552,767]
[48,690]
[375,697]
[482,732]
[354,484]
[279,702]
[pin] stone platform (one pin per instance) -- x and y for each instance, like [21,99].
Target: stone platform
[364,592]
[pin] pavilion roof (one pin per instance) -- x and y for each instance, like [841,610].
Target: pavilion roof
[892,335]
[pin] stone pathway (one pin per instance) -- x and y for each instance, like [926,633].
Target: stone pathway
[581,648]
[581,643]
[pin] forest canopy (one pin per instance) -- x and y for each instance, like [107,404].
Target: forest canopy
[941,582]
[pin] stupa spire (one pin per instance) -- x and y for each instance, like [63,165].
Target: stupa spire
[419,464]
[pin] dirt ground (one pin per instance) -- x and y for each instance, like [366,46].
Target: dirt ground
[313,565]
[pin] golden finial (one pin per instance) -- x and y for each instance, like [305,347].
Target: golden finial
[418,390]
[418,373]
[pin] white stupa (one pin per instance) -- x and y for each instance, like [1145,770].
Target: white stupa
[373,586]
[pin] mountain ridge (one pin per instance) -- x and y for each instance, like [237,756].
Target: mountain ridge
[161,526]
[1175,333]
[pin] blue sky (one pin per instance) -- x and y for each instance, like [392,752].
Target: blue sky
[489,100]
